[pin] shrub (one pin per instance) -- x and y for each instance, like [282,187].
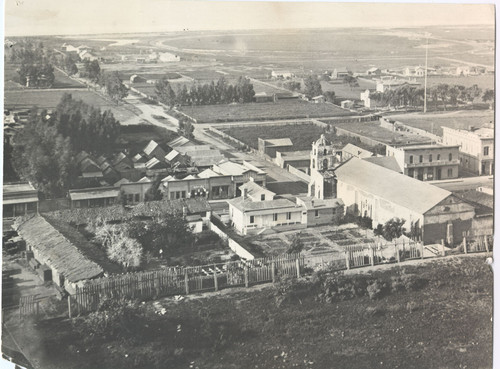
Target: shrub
[377,289]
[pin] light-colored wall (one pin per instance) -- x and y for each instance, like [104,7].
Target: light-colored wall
[138,188]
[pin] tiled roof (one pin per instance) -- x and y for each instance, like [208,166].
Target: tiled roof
[93,193]
[357,151]
[388,162]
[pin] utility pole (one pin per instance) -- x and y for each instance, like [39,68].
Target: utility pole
[425,75]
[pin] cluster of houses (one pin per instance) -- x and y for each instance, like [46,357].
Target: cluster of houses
[83,51]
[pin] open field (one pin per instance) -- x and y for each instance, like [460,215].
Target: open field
[433,122]
[441,322]
[375,132]
[48,99]
[302,135]
[262,111]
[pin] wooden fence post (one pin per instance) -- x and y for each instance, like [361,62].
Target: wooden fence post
[421,250]
[246,276]
[347,263]
[69,306]
[442,248]
[273,271]
[486,243]
[464,242]
[186,281]
[372,255]
[216,284]
[297,264]
[396,249]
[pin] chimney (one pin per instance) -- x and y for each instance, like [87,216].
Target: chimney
[245,194]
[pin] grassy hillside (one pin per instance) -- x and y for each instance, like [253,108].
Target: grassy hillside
[431,315]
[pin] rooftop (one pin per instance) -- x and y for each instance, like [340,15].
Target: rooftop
[65,257]
[247,205]
[279,142]
[15,193]
[179,141]
[394,187]
[93,193]
[388,162]
[312,203]
[357,151]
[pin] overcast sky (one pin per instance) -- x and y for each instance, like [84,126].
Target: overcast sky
[60,17]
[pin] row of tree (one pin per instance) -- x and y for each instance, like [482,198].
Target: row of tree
[443,94]
[44,148]
[206,94]
[36,69]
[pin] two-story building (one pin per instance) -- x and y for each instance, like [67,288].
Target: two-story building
[19,199]
[251,214]
[427,162]
[476,148]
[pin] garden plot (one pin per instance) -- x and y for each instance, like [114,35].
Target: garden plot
[317,240]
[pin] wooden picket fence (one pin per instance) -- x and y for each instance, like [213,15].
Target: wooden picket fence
[178,281]
[28,306]
[478,243]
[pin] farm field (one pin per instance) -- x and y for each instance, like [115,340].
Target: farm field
[262,111]
[375,132]
[48,99]
[485,81]
[302,135]
[440,322]
[432,122]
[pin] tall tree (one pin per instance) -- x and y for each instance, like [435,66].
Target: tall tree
[164,92]
[114,86]
[489,97]
[312,86]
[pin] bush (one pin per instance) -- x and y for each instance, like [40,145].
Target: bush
[377,289]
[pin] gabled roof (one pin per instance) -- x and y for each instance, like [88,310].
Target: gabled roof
[208,173]
[179,141]
[192,148]
[101,159]
[139,158]
[87,165]
[394,187]
[151,147]
[144,180]
[14,193]
[60,253]
[119,158]
[246,205]
[357,151]
[254,190]
[234,169]
[154,163]
[171,155]
[388,162]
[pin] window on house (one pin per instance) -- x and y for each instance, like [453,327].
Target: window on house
[252,219]
[172,195]
[450,172]
[275,217]
[450,157]
[411,159]
[178,195]
[137,197]
[314,163]
[316,213]
[183,194]
[486,151]
[439,157]
[420,158]
[288,216]
[262,197]
[430,158]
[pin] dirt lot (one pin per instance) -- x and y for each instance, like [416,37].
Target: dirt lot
[445,323]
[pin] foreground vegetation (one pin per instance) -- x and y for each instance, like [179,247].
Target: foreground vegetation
[436,314]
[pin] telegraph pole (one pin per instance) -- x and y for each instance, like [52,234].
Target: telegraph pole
[425,75]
